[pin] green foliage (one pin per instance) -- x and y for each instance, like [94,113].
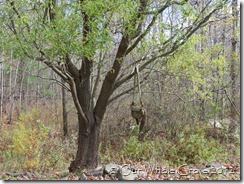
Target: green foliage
[204,68]
[47,92]
[137,150]
[199,66]
[106,153]
[190,146]
[194,148]
[34,144]
[57,37]
[28,140]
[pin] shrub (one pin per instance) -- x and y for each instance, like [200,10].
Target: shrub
[195,148]
[139,150]
[28,138]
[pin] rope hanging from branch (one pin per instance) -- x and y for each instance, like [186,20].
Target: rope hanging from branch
[137,84]
[137,110]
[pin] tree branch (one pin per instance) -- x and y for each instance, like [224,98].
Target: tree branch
[126,91]
[179,42]
[71,67]
[95,86]
[76,101]
[57,70]
[108,83]
[149,26]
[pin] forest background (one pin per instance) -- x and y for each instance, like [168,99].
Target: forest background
[189,59]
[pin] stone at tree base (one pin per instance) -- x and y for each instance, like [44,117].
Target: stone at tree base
[125,173]
[111,168]
[96,172]
[83,177]
[14,173]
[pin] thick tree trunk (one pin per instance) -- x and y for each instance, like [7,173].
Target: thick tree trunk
[88,143]
[90,122]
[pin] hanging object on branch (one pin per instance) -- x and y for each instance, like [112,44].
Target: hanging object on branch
[138,112]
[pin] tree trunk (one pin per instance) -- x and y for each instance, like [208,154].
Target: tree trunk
[232,126]
[37,96]
[65,114]
[1,90]
[90,118]
[233,59]
[21,91]
[12,97]
[202,48]
[88,143]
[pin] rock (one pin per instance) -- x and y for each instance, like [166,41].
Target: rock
[126,173]
[111,169]
[14,174]
[99,167]
[141,173]
[83,177]
[215,123]
[97,172]
[132,127]
[212,168]
[214,165]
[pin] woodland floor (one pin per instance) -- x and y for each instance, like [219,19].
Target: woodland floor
[227,172]
[33,150]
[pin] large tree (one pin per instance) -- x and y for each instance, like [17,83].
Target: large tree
[92,46]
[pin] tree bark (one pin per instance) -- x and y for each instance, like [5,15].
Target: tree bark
[2,90]
[202,47]
[12,97]
[65,114]
[21,91]
[233,74]
[88,143]
[91,118]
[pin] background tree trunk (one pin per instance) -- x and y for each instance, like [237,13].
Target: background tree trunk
[12,97]
[202,32]
[1,88]
[233,58]
[233,70]
[65,114]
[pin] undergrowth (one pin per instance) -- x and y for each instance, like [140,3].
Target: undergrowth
[190,146]
[31,144]
[34,143]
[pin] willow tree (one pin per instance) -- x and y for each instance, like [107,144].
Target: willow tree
[92,46]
